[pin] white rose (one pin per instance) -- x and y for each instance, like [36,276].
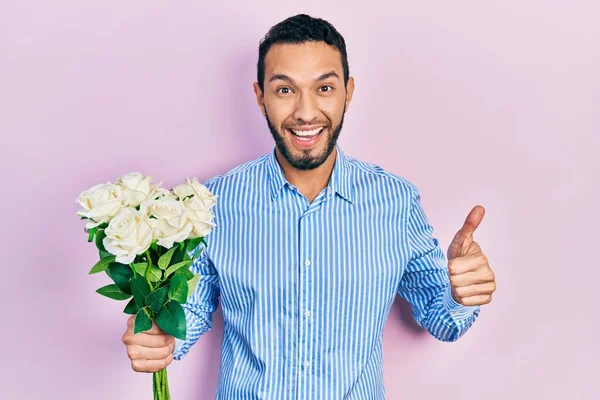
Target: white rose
[128,234]
[136,188]
[100,203]
[172,221]
[201,192]
[162,193]
[200,216]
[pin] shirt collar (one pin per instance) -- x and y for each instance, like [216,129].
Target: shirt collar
[339,183]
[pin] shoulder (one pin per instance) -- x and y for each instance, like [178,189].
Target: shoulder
[369,176]
[241,173]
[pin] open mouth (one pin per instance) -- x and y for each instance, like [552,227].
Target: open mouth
[306,137]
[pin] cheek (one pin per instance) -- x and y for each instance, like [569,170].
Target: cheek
[279,110]
[332,108]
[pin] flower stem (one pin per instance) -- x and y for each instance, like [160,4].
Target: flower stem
[160,385]
[149,258]
[166,386]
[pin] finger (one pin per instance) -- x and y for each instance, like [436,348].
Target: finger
[475,290]
[137,352]
[145,340]
[477,300]
[151,365]
[470,225]
[155,330]
[473,277]
[473,249]
[468,263]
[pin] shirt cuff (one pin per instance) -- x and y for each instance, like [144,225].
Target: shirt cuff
[457,311]
[195,327]
[178,345]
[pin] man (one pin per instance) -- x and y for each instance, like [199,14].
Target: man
[312,246]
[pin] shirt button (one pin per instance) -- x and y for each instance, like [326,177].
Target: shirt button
[307,263]
[307,313]
[306,364]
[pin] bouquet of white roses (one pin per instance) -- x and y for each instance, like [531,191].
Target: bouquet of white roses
[148,237]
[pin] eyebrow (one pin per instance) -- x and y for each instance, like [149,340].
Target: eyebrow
[328,75]
[280,77]
[286,78]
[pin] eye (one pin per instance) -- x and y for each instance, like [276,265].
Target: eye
[284,90]
[326,88]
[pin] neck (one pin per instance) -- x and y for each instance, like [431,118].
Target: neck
[309,183]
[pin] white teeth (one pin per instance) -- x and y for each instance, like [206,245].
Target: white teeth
[312,132]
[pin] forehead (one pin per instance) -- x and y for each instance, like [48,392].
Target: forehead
[307,59]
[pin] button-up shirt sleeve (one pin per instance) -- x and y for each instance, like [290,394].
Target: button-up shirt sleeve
[200,305]
[425,283]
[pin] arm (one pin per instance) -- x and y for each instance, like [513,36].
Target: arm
[425,283]
[200,305]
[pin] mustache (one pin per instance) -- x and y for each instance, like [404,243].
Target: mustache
[325,124]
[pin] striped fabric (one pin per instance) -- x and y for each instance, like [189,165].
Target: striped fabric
[306,289]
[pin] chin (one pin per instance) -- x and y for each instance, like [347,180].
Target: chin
[304,155]
[305,159]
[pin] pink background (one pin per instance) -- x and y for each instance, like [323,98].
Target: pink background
[493,103]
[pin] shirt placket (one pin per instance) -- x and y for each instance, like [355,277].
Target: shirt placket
[305,313]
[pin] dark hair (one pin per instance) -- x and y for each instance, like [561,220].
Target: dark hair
[299,29]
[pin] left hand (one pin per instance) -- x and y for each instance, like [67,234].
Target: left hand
[473,281]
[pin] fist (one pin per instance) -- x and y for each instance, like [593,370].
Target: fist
[473,281]
[149,351]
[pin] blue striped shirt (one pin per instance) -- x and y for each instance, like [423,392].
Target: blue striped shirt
[306,288]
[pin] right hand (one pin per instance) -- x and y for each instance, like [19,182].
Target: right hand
[149,351]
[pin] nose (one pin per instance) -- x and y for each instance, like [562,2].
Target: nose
[306,109]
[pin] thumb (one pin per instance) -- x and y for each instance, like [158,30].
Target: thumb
[464,236]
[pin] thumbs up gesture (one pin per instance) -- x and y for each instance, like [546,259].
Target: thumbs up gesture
[471,277]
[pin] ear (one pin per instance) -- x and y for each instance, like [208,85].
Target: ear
[260,99]
[349,91]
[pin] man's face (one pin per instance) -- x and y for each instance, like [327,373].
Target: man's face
[304,100]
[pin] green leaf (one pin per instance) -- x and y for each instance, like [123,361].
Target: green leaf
[192,244]
[121,274]
[131,308]
[140,268]
[178,256]
[155,272]
[100,235]
[140,289]
[157,298]
[178,289]
[112,291]
[142,322]
[175,267]
[165,259]
[102,265]
[171,319]
[185,272]
[193,284]
[104,254]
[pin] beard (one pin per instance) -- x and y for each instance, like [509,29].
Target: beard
[306,161]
